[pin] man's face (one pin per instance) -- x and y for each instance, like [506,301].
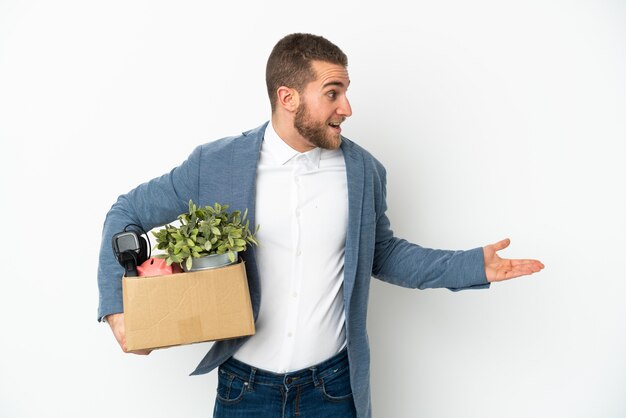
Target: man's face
[324,106]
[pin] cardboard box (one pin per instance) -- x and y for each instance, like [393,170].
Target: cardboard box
[185,308]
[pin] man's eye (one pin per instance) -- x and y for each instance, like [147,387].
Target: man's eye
[332,94]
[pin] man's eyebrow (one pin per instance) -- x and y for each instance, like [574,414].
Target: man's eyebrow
[334,83]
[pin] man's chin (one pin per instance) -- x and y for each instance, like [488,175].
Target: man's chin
[330,145]
[335,144]
[332,142]
[321,138]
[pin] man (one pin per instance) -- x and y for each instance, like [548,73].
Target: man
[320,201]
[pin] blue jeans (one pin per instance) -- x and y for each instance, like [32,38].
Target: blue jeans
[320,391]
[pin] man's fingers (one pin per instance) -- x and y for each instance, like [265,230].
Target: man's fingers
[520,268]
[140,352]
[531,264]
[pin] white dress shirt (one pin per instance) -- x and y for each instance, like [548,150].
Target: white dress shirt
[302,210]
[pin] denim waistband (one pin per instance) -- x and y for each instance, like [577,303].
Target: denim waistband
[314,374]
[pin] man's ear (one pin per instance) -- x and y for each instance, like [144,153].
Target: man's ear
[288,98]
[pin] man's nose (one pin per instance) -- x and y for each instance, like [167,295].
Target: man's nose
[345,109]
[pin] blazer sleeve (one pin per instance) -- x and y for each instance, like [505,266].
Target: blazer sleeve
[409,265]
[149,205]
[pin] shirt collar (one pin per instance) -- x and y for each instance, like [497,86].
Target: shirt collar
[283,153]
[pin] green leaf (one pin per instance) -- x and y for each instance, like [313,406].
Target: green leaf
[189,263]
[204,230]
[231,256]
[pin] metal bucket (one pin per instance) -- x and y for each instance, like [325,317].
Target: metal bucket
[211,261]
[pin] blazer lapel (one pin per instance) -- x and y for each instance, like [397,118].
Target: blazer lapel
[244,159]
[356,175]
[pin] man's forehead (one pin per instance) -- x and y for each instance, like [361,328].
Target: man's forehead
[328,73]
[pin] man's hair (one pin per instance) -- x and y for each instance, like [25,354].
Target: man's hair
[289,64]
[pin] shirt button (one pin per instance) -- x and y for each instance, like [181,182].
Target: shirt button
[299,252]
[298,213]
[294,294]
[290,334]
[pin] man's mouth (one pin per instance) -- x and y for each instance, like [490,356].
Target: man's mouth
[335,125]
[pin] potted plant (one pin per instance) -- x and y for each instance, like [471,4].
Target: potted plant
[207,237]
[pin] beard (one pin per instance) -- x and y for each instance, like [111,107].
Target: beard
[317,133]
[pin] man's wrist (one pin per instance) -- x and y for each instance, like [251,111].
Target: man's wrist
[105,318]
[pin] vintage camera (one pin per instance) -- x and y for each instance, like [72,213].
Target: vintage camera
[130,250]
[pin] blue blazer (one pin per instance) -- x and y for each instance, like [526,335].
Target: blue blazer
[225,171]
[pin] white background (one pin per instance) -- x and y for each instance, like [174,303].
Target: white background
[494,119]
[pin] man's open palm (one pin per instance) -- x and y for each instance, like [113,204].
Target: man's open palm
[498,269]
